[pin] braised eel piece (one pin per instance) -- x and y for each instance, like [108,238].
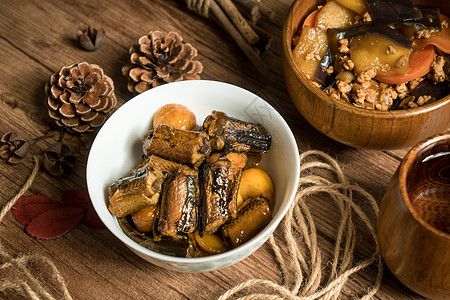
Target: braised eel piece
[122,205]
[219,193]
[251,219]
[179,203]
[141,187]
[159,163]
[230,134]
[182,146]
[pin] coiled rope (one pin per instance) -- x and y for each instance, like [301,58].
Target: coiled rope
[302,268]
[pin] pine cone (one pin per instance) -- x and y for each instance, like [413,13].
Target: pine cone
[160,59]
[80,97]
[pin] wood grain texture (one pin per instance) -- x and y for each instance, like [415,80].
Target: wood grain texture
[37,38]
[361,128]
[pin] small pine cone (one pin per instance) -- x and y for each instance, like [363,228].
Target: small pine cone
[160,59]
[80,97]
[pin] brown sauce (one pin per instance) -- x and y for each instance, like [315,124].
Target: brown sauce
[429,190]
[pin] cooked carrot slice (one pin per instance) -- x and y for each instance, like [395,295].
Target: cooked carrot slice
[441,40]
[419,65]
[311,19]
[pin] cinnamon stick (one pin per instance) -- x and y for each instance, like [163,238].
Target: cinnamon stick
[222,20]
[238,20]
[248,8]
[268,13]
[265,39]
[255,18]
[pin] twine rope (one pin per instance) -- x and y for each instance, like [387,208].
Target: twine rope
[301,279]
[200,7]
[28,284]
[301,268]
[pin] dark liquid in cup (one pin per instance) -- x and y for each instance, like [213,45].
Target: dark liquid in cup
[429,190]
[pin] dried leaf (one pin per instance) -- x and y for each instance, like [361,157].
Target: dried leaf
[29,207]
[55,222]
[80,198]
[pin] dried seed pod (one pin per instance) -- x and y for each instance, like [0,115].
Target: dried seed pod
[160,58]
[91,39]
[13,147]
[58,159]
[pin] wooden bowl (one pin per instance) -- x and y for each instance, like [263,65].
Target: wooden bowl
[414,219]
[350,125]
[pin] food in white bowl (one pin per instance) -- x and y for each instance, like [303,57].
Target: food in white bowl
[118,148]
[182,198]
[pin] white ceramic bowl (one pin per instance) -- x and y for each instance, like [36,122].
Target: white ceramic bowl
[117,149]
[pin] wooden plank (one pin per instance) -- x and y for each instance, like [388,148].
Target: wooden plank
[37,38]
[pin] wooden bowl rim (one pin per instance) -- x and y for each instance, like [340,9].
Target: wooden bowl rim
[383,114]
[405,167]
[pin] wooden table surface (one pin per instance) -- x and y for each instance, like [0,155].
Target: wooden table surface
[37,38]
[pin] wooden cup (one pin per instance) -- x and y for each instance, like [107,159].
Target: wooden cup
[414,219]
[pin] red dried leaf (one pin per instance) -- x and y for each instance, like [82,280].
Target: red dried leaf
[80,198]
[28,207]
[55,222]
